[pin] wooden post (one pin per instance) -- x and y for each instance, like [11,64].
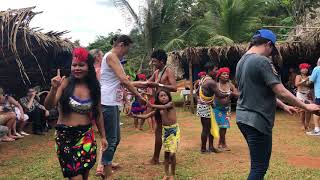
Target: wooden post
[191,87]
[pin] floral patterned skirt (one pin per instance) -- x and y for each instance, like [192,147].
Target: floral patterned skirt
[76,149]
[222,115]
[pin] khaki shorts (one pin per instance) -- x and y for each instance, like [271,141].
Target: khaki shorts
[2,119]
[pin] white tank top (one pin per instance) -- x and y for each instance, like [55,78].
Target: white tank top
[111,89]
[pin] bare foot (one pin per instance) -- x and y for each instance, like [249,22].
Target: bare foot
[13,137]
[164,178]
[7,139]
[226,148]
[171,178]
[100,171]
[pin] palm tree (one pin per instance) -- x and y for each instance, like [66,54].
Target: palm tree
[226,22]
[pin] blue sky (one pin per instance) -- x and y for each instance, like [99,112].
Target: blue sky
[86,19]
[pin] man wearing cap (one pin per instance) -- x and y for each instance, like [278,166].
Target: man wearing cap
[259,86]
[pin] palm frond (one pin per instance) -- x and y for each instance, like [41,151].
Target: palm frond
[18,39]
[175,44]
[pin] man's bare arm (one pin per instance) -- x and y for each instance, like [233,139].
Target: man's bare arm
[113,62]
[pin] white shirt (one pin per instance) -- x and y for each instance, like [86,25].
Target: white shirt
[111,89]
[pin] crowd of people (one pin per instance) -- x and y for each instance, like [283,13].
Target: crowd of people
[91,97]
[16,114]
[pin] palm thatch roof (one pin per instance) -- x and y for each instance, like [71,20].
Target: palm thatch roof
[18,42]
[291,54]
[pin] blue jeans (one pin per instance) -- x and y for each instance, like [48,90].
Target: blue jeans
[111,116]
[260,146]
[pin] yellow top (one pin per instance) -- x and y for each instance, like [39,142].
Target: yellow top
[204,98]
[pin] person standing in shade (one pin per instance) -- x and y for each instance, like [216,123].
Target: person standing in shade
[259,86]
[112,79]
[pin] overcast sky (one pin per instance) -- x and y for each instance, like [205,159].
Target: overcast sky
[84,18]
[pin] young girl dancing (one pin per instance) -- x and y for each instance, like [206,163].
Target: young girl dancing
[170,129]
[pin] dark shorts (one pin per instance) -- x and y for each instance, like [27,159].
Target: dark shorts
[317,101]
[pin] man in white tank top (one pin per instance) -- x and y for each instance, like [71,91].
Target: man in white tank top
[112,79]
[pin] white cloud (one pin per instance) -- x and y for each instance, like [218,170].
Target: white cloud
[86,19]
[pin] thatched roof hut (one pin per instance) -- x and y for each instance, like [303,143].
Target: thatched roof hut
[292,54]
[28,57]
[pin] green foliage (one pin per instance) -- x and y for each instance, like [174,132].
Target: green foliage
[176,24]
[218,40]
[103,42]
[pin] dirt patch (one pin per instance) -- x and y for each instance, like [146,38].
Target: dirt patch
[305,161]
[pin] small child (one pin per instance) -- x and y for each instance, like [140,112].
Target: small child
[138,108]
[170,129]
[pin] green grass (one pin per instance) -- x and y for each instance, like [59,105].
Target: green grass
[34,157]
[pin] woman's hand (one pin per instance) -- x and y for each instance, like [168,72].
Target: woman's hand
[57,80]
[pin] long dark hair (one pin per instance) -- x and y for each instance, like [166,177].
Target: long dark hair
[157,102]
[93,85]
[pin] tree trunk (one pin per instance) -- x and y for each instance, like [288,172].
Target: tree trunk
[191,87]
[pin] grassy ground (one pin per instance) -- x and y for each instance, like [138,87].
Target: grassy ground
[295,155]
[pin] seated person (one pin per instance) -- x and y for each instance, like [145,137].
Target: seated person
[22,122]
[8,117]
[36,112]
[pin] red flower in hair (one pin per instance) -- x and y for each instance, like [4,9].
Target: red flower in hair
[142,77]
[223,70]
[304,66]
[80,54]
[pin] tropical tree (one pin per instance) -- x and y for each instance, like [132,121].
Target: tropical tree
[224,22]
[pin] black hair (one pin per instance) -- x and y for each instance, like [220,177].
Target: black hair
[114,39]
[160,55]
[157,101]
[126,40]
[257,41]
[93,85]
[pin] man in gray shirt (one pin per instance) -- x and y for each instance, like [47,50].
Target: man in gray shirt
[259,85]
